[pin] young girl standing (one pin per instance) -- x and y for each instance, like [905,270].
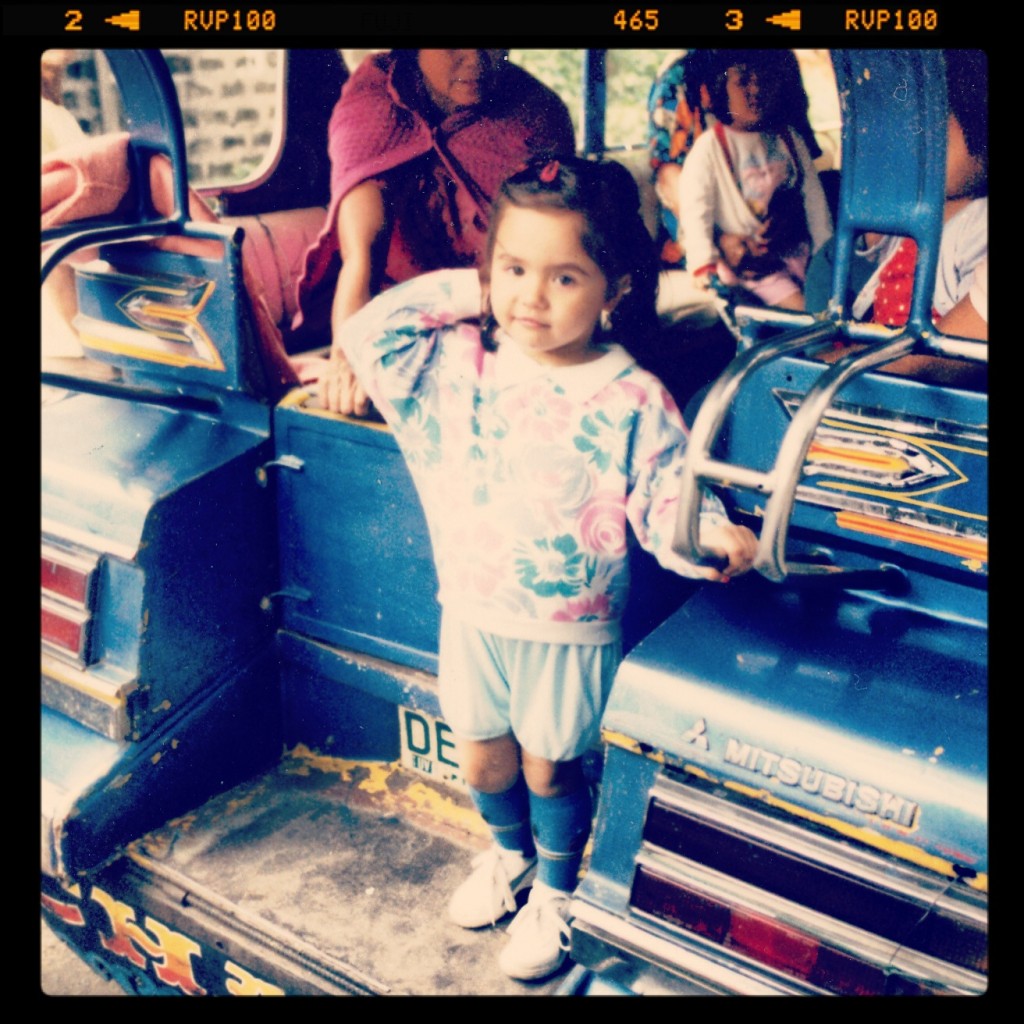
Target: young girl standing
[751,206]
[533,439]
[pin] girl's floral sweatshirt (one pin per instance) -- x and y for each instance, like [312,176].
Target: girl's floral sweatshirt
[527,473]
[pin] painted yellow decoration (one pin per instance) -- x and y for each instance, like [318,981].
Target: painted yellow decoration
[166,332]
[969,548]
[841,442]
[895,847]
[242,983]
[855,458]
[169,951]
[388,783]
[618,739]
[692,769]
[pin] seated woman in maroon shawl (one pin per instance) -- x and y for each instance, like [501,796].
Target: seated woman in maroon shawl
[419,142]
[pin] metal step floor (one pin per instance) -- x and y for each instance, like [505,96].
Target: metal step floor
[354,860]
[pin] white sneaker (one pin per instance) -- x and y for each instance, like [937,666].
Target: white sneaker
[539,935]
[490,891]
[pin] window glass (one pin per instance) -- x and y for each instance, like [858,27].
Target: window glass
[78,89]
[232,100]
[231,103]
[628,75]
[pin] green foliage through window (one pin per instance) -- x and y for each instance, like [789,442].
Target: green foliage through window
[629,75]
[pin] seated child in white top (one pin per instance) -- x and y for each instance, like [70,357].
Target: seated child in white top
[751,205]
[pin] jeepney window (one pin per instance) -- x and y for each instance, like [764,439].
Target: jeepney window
[81,85]
[629,75]
[823,110]
[231,104]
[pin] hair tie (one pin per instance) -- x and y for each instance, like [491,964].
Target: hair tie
[549,171]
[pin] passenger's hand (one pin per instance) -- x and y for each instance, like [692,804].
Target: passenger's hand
[733,249]
[736,543]
[702,277]
[760,241]
[340,391]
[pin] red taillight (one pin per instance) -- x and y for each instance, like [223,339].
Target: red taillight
[766,940]
[66,580]
[64,628]
[772,943]
[803,956]
[900,916]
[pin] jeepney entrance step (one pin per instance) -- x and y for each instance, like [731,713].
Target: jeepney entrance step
[356,859]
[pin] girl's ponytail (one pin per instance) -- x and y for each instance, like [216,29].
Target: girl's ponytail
[634,320]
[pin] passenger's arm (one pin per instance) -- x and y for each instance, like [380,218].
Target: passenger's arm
[964,321]
[695,198]
[653,500]
[360,227]
[666,186]
[819,217]
[969,317]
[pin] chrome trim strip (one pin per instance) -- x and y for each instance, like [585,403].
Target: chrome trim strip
[697,962]
[889,875]
[98,703]
[859,944]
[85,539]
[913,884]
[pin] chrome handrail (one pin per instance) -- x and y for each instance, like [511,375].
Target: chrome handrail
[785,475]
[700,469]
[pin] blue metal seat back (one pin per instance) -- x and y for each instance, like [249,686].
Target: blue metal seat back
[170,320]
[894,159]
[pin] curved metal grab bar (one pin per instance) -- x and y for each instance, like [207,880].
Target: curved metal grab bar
[699,467]
[785,475]
[153,118]
[169,228]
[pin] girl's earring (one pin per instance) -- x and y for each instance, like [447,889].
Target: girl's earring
[606,320]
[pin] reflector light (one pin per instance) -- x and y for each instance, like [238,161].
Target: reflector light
[766,940]
[821,887]
[64,580]
[63,629]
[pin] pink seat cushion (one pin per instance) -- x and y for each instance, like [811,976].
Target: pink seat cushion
[273,249]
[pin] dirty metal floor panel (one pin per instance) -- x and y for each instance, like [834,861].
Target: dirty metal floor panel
[357,860]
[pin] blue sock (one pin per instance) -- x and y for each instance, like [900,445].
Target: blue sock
[561,826]
[507,815]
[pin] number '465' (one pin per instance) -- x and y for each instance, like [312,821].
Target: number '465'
[637,21]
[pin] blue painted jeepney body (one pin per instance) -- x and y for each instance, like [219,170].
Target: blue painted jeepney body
[812,751]
[251,580]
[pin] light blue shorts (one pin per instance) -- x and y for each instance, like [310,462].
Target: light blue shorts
[550,696]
